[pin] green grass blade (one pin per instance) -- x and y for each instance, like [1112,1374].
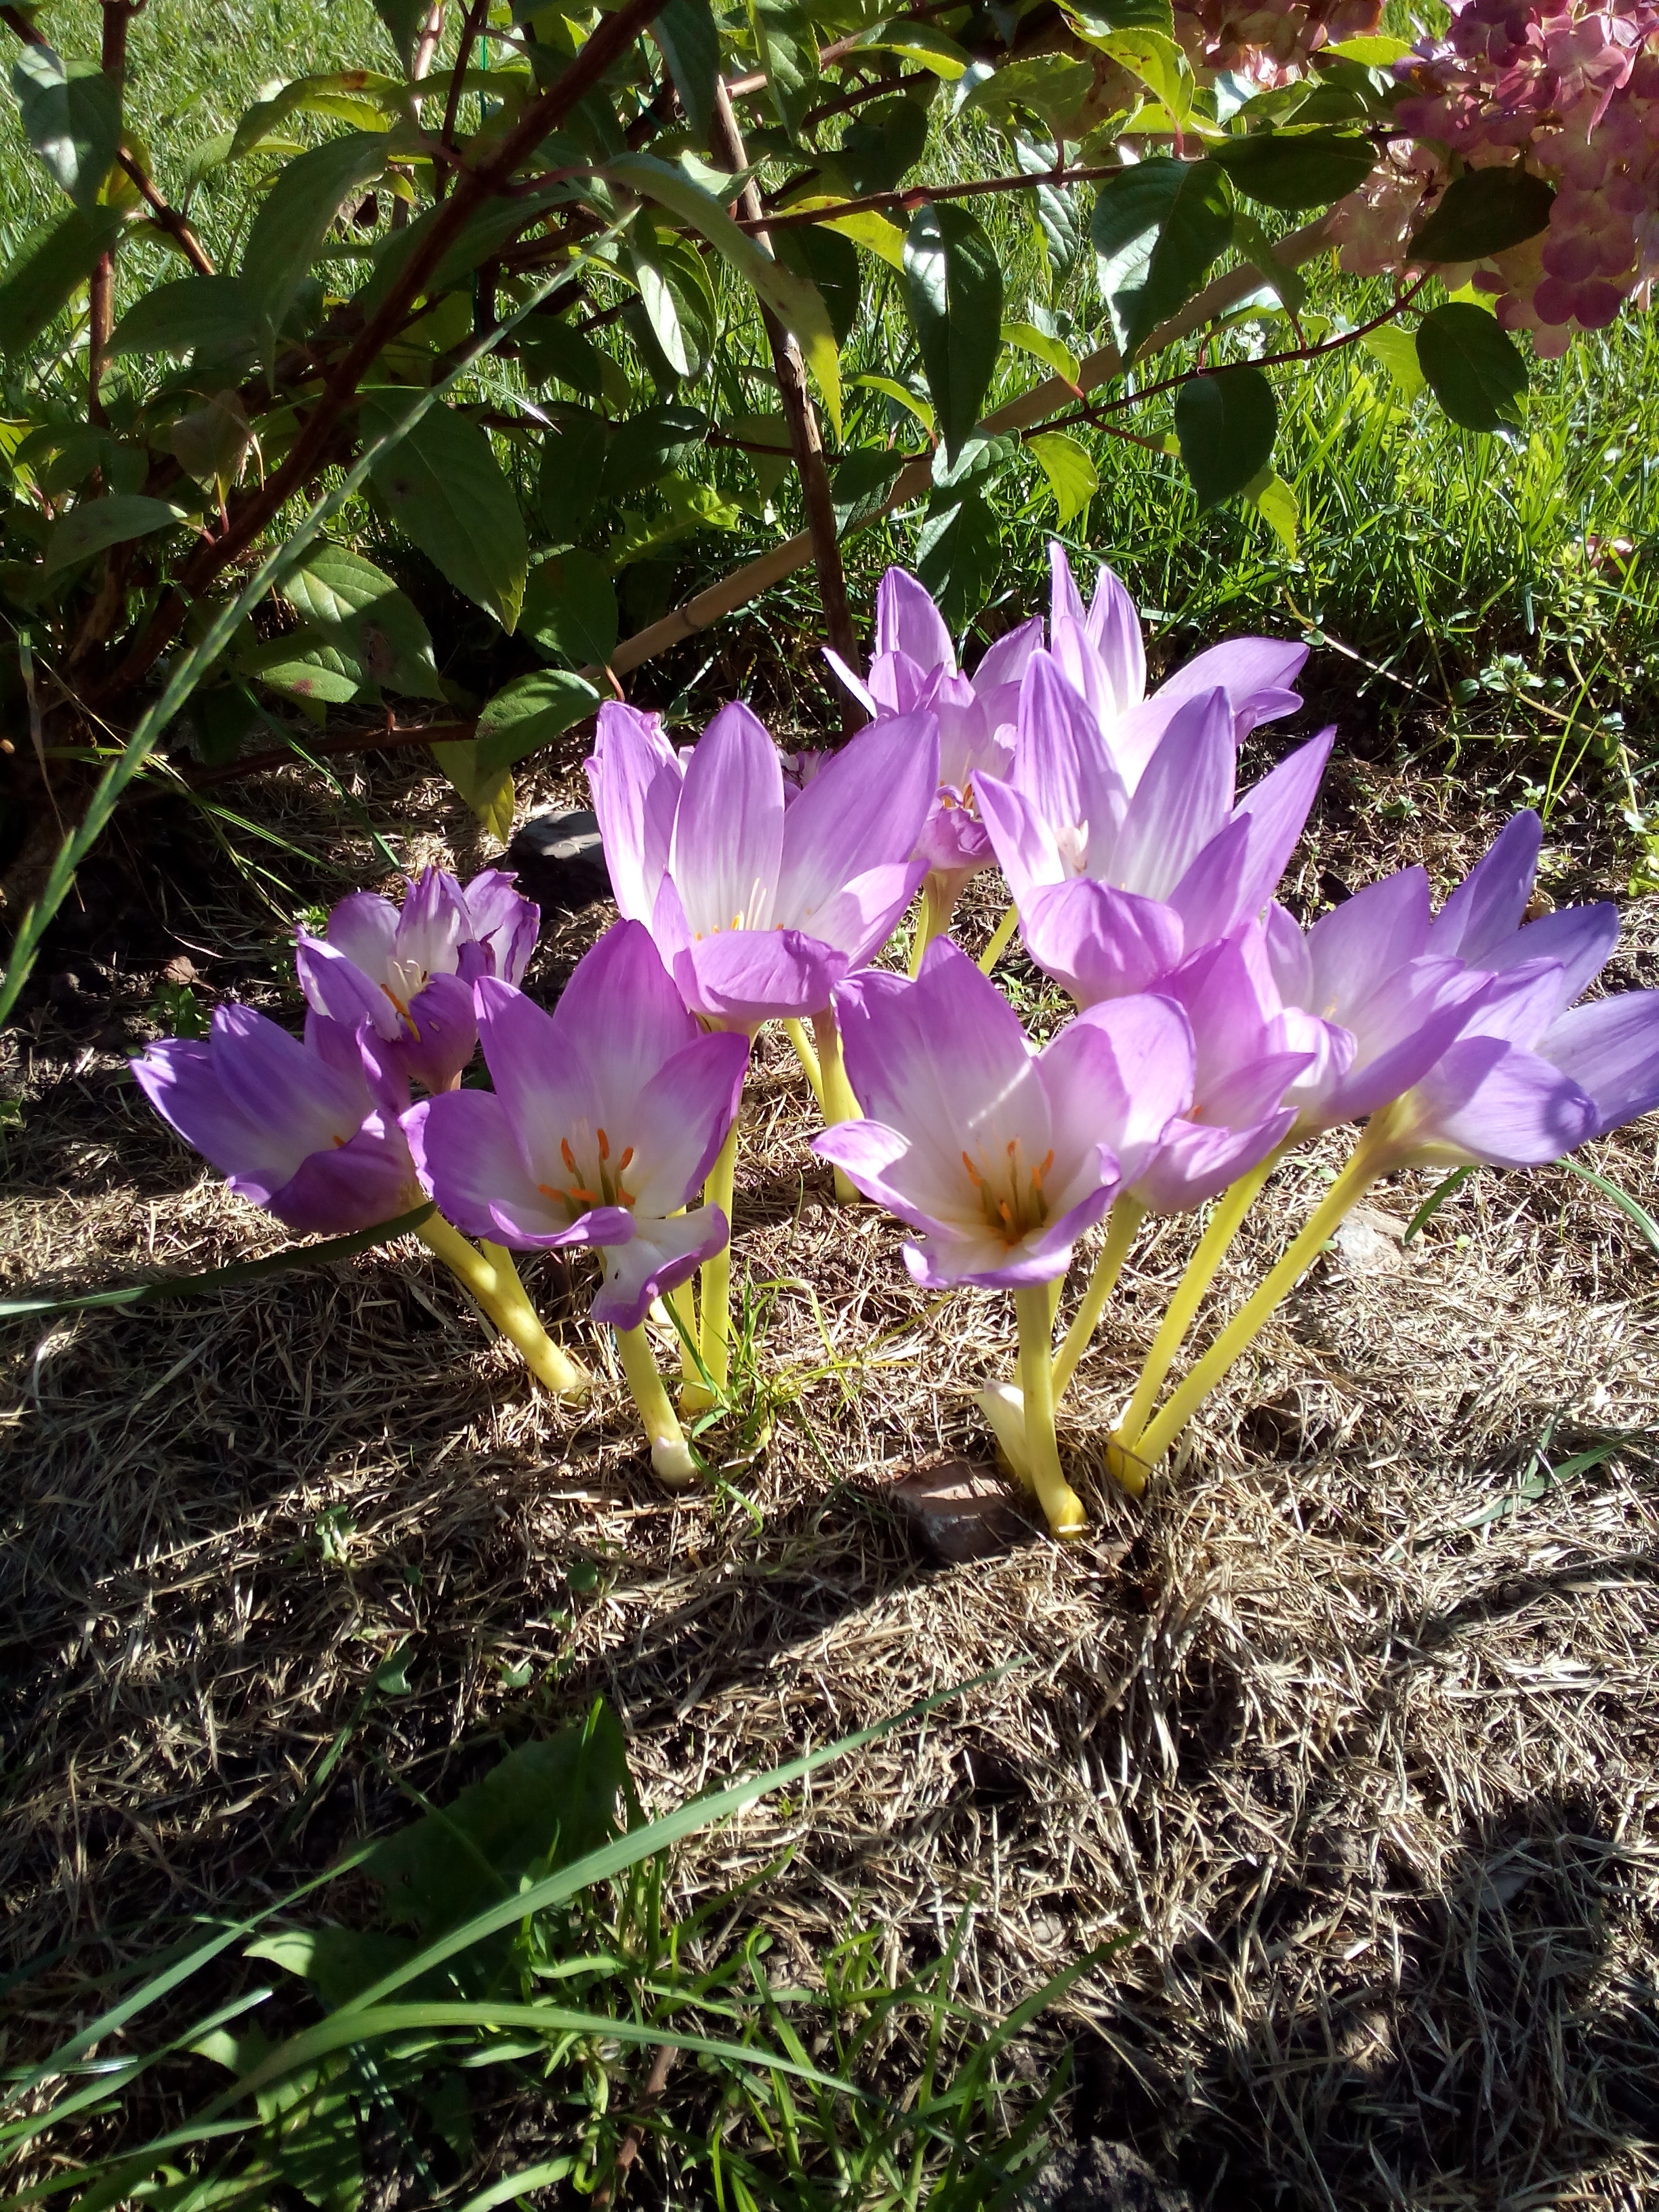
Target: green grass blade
[213,1279]
[1632,1206]
[1436,1199]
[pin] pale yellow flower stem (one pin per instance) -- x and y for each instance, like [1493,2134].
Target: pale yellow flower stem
[1367,1162]
[1122,1223]
[795,1030]
[714,1285]
[1061,1503]
[491,1279]
[671,1456]
[939,903]
[839,1103]
[998,945]
[1223,1226]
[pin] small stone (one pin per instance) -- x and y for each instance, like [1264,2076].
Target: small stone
[959,1511]
[560,859]
[1371,1243]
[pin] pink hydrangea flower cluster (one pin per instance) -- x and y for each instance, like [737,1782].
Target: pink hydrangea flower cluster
[1572,91]
[1269,44]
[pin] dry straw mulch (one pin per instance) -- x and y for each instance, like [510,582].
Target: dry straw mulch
[1350,1732]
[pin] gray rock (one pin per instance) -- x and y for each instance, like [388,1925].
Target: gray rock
[559,860]
[1102,2176]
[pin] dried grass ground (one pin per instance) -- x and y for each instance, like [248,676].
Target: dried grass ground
[1352,1730]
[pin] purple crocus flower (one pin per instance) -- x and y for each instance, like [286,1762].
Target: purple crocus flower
[758,910]
[1102,656]
[914,671]
[606,1116]
[1115,887]
[991,1151]
[409,973]
[308,1131]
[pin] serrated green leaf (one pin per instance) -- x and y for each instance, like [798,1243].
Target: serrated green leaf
[691,41]
[1072,476]
[953,284]
[646,446]
[788,53]
[97,524]
[71,115]
[288,233]
[340,594]
[1151,56]
[679,508]
[860,486]
[958,552]
[1158,228]
[883,146]
[1396,349]
[1052,86]
[444,488]
[1276,503]
[1473,367]
[529,714]
[52,264]
[214,316]
[570,610]
[1225,424]
[1483,211]
[1293,171]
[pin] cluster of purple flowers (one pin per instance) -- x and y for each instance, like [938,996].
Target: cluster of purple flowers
[1212,1031]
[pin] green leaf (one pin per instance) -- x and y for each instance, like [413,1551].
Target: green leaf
[882,147]
[953,282]
[917,42]
[679,508]
[546,1805]
[1377,51]
[681,338]
[338,1962]
[553,352]
[791,299]
[1056,217]
[570,610]
[1071,474]
[489,795]
[691,41]
[52,262]
[831,262]
[788,53]
[359,97]
[342,594]
[402,20]
[958,552]
[1482,212]
[215,1280]
[902,395]
[573,465]
[1396,349]
[445,489]
[72,116]
[1294,172]
[1101,22]
[860,486]
[1059,90]
[1054,353]
[288,233]
[213,316]
[771,431]
[1474,368]
[1225,424]
[1626,1201]
[649,446]
[1275,502]
[529,714]
[1152,56]
[1252,241]
[96,523]
[1157,228]
[301,668]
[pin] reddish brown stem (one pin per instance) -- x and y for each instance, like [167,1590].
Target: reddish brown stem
[470,30]
[911,196]
[609,41]
[805,439]
[101,303]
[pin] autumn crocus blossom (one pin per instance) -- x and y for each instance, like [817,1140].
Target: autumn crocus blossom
[410,973]
[1115,886]
[758,910]
[990,1151]
[606,1116]
[312,1132]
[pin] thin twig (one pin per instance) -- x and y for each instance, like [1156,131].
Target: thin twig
[909,197]
[470,30]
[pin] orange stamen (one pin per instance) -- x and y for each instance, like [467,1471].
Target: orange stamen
[570,1156]
[622,1164]
[604,1146]
[973,1175]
